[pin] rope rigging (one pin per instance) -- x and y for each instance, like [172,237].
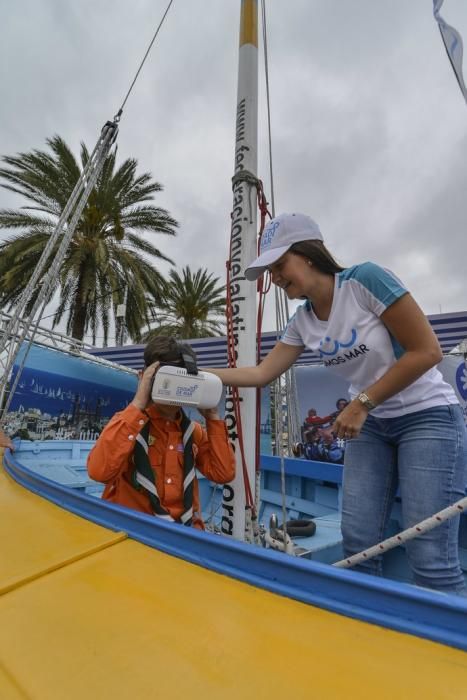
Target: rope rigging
[119,113]
[405,536]
[13,335]
[250,500]
[268,102]
[286,383]
[23,324]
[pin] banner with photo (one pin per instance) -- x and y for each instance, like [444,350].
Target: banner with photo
[454,370]
[65,396]
[265,421]
[265,426]
[322,395]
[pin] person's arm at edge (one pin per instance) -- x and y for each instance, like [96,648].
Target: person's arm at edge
[281,357]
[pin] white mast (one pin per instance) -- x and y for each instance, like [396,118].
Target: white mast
[242,252]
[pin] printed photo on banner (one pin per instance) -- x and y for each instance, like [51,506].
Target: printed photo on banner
[61,396]
[454,371]
[321,397]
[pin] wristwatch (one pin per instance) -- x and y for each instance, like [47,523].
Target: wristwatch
[366,401]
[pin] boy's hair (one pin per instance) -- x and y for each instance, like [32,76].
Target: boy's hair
[164,348]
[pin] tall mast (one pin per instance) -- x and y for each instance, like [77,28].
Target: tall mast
[242,252]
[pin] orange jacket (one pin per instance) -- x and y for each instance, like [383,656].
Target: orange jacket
[110,460]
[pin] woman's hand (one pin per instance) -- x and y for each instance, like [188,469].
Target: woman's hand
[349,422]
[143,393]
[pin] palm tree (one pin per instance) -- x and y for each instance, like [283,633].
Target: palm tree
[107,253]
[190,304]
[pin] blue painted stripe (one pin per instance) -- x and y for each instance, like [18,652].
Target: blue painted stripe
[307,468]
[449,321]
[213,352]
[381,602]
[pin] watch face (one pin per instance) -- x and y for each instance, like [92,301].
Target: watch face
[366,401]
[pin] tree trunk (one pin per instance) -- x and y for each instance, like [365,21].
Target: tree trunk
[79,313]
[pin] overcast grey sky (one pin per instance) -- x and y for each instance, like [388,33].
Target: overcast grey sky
[369,126]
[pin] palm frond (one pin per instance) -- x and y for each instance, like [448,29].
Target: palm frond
[193,305]
[107,252]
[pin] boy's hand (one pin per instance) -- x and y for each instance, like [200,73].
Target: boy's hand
[212,413]
[143,393]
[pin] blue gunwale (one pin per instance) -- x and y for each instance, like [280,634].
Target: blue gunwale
[398,606]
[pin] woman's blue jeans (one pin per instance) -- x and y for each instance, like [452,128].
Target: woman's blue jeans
[425,455]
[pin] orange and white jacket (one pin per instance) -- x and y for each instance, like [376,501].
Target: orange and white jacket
[111,459]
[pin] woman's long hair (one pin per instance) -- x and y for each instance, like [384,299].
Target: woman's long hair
[319,255]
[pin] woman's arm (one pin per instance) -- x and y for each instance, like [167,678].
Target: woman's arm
[281,357]
[409,326]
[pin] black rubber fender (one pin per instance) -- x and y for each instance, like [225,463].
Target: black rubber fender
[300,528]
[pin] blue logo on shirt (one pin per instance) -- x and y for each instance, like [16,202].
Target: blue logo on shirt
[333,346]
[461,380]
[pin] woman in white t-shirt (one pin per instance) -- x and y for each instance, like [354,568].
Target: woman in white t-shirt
[404,425]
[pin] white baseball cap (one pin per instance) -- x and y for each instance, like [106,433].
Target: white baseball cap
[281,233]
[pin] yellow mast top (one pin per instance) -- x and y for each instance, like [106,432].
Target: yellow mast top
[249,22]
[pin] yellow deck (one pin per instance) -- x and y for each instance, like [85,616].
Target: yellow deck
[88,614]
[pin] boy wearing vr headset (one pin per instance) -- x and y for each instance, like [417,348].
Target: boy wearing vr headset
[147,454]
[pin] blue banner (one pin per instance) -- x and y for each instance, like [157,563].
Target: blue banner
[61,395]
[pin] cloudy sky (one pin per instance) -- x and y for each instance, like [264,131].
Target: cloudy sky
[369,126]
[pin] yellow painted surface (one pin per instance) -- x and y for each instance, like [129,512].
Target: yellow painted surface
[249,22]
[131,622]
[8,687]
[36,536]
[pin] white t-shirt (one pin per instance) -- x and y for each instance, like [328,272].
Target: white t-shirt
[356,344]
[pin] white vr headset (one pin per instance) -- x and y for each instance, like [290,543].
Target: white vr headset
[178,387]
